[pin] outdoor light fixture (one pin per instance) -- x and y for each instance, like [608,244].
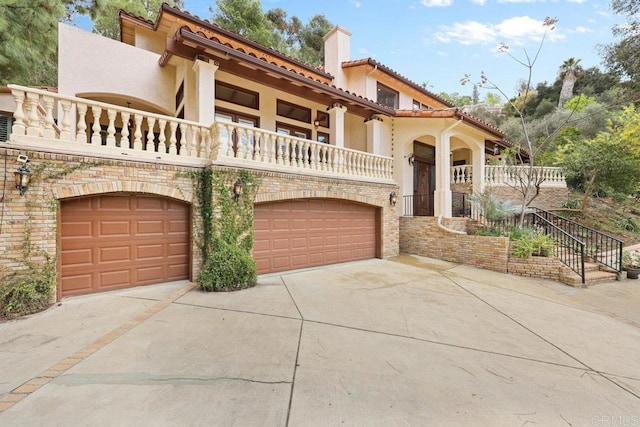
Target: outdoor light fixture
[393,198]
[237,190]
[23,175]
[316,123]
[410,159]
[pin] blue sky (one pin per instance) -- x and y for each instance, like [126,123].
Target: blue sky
[438,41]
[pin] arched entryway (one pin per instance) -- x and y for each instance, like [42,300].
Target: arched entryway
[119,240]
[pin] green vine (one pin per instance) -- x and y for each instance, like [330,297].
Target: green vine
[227,235]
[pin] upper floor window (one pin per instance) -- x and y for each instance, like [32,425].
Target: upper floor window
[6,120]
[292,111]
[237,95]
[388,96]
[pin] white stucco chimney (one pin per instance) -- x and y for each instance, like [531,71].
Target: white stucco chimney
[337,49]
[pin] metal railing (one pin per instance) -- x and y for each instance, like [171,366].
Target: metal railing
[422,205]
[601,247]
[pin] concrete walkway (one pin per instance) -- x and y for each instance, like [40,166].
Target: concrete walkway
[409,341]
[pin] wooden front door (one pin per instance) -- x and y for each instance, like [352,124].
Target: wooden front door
[424,185]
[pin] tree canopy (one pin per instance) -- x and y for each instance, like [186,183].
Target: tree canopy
[28,41]
[275,28]
[107,23]
[622,57]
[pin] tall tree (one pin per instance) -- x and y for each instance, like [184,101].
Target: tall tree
[275,29]
[568,71]
[107,23]
[622,57]
[28,41]
[245,17]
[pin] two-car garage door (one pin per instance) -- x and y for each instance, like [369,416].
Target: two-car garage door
[311,232]
[117,241]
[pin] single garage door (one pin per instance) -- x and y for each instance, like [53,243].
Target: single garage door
[123,240]
[306,233]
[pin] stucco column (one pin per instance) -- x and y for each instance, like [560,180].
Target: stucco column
[205,90]
[374,135]
[478,168]
[336,118]
[442,196]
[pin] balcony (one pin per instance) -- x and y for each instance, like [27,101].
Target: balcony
[63,124]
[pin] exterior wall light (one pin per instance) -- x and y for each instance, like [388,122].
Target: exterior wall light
[23,175]
[393,198]
[316,123]
[410,159]
[237,190]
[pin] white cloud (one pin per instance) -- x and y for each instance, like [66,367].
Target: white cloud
[513,31]
[577,1]
[479,2]
[436,3]
[581,30]
[356,3]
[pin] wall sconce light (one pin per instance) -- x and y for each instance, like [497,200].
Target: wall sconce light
[316,123]
[393,198]
[23,175]
[496,150]
[410,159]
[237,190]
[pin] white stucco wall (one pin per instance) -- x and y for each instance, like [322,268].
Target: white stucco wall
[7,104]
[92,64]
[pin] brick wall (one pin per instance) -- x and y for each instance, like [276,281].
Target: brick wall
[549,198]
[29,223]
[422,236]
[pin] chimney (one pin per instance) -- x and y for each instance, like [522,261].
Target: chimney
[337,49]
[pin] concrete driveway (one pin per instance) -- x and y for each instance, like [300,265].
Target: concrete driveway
[409,341]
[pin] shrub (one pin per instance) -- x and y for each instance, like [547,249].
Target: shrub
[228,268]
[535,243]
[28,291]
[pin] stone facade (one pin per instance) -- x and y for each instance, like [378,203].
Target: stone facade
[29,223]
[549,197]
[539,267]
[422,236]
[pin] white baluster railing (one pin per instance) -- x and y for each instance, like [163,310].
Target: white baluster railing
[513,175]
[249,146]
[97,128]
[461,174]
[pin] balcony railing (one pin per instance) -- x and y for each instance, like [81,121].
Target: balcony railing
[245,145]
[94,128]
[98,129]
[513,175]
[510,175]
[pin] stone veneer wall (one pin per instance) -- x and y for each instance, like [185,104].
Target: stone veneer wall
[549,197]
[28,224]
[422,236]
[539,267]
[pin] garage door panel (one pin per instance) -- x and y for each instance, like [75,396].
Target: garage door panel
[114,203]
[304,233]
[77,257]
[149,251]
[114,278]
[114,228]
[77,229]
[117,241]
[150,227]
[117,253]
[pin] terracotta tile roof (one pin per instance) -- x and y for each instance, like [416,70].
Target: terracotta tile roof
[456,112]
[186,34]
[215,28]
[373,63]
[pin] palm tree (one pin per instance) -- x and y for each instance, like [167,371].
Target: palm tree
[568,71]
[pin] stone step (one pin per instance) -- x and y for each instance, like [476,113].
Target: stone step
[590,278]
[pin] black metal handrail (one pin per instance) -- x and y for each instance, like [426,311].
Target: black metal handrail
[417,204]
[601,247]
[569,250]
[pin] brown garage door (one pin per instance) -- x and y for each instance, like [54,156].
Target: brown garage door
[117,241]
[305,233]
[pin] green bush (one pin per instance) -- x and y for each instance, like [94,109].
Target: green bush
[28,291]
[533,244]
[490,232]
[228,268]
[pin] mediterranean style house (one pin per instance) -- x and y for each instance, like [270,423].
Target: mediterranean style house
[342,152]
